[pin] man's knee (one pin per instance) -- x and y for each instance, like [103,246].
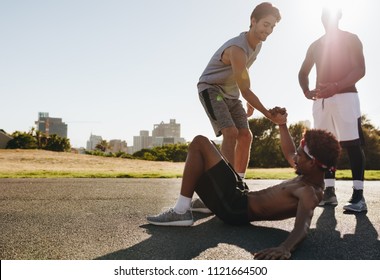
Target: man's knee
[230,133]
[245,135]
[198,141]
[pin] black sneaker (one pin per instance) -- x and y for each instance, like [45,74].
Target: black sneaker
[356,202]
[329,197]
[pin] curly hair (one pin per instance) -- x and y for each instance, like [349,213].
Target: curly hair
[323,146]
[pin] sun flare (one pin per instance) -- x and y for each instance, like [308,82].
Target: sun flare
[354,12]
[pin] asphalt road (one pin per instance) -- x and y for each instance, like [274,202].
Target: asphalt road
[85,219]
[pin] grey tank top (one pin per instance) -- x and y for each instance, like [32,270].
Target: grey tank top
[219,75]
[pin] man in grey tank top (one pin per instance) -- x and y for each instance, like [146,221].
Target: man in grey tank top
[226,76]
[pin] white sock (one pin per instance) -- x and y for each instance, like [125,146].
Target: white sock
[358,185]
[183,204]
[242,175]
[330,183]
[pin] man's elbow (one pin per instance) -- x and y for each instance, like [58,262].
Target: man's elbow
[363,72]
[245,92]
[290,159]
[302,75]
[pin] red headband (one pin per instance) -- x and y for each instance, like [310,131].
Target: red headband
[307,151]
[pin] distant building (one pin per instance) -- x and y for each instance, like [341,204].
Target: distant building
[167,133]
[51,126]
[171,129]
[162,134]
[4,139]
[117,145]
[93,141]
[143,141]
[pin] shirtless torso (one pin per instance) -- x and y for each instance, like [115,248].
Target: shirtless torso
[335,56]
[282,201]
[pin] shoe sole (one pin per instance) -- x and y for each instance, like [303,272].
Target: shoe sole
[354,210]
[328,203]
[175,224]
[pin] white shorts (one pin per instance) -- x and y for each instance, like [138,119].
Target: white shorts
[340,115]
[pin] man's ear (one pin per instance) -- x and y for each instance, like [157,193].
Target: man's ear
[314,164]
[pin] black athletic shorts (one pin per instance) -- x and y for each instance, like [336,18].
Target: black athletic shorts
[218,189]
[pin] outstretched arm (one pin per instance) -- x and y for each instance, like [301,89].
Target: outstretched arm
[287,145]
[237,58]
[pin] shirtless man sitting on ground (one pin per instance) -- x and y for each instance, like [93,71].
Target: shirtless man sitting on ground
[223,192]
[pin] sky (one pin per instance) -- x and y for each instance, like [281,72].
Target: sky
[115,67]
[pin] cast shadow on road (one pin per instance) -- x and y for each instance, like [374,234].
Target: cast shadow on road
[327,243]
[185,243]
[323,242]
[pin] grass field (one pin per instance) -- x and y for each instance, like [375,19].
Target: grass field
[46,164]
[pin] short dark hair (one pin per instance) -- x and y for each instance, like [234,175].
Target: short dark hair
[264,9]
[323,146]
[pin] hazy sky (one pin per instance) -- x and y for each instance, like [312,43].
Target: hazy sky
[115,67]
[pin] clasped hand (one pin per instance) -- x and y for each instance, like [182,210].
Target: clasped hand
[324,90]
[278,115]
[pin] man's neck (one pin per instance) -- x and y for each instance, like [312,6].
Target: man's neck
[252,40]
[332,31]
[315,179]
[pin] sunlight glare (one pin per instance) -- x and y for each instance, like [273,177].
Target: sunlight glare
[353,11]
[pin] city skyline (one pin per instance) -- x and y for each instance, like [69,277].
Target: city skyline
[94,139]
[113,67]
[54,125]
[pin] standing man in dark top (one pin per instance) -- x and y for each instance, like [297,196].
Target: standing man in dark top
[338,57]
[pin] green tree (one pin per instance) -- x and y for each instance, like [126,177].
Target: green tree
[371,147]
[41,139]
[296,131]
[171,152]
[265,148]
[102,146]
[22,140]
[140,154]
[372,144]
[57,143]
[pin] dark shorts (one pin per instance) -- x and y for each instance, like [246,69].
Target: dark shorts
[218,188]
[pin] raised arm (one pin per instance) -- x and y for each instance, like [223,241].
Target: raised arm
[287,145]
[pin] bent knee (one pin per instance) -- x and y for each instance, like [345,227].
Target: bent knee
[245,135]
[230,133]
[199,140]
